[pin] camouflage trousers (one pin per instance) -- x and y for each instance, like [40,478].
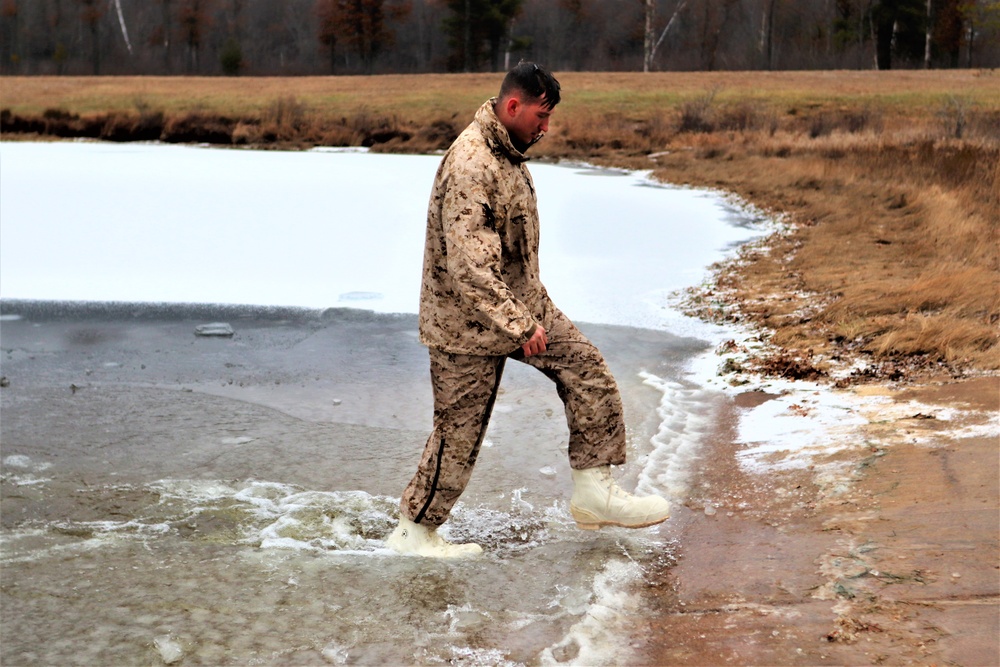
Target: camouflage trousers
[465,390]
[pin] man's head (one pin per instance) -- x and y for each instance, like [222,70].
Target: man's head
[527,97]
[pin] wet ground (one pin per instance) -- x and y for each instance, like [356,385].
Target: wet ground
[886,554]
[169,498]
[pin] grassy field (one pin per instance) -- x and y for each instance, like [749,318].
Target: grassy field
[891,180]
[425,97]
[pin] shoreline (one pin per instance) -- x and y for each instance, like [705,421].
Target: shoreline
[885,487]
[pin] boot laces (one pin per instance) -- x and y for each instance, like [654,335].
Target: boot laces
[609,483]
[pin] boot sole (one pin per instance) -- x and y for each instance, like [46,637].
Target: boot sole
[588,523]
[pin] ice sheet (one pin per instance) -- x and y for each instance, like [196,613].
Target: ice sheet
[148,222]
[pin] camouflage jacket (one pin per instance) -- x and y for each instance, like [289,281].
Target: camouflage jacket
[481,293]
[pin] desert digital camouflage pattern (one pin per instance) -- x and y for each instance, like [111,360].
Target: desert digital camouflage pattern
[481,300]
[481,291]
[465,390]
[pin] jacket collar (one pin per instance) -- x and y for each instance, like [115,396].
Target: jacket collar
[496,135]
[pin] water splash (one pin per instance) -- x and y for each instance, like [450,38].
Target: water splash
[684,424]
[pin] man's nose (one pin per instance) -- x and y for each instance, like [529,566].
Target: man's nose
[545,125]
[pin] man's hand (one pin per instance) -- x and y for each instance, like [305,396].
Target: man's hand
[537,343]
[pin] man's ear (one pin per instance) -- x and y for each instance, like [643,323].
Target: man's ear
[511,106]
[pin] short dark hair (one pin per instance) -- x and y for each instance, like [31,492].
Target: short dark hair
[534,81]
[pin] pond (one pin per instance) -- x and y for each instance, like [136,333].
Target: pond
[111,222]
[224,501]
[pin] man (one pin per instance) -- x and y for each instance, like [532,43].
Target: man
[482,302]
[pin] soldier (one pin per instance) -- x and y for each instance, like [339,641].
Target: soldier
[481,303]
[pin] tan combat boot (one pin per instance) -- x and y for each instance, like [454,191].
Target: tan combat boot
[599,501]
[419,540]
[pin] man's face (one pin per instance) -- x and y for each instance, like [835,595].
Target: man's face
[528,120]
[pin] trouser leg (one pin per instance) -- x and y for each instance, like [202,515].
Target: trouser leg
[465,389]
[589,394]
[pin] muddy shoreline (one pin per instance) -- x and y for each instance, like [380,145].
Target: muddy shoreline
[892,561]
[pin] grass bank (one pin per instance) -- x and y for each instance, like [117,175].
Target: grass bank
[890,180]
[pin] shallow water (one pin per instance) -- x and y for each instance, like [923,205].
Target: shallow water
[245,521]
[224,501]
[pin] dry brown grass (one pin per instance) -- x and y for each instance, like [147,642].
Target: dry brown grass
[895,253]
[891,179]
[423,99]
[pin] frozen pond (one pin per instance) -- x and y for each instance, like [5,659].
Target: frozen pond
[108,222]
[212,502]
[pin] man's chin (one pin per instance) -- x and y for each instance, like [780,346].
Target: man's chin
[523,147]
[520,145]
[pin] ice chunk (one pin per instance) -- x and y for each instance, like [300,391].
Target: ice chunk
[360,296]
[214,329]
[17,461]
[170,650]
[335,654]
[238,440]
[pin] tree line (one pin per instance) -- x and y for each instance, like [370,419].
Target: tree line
[309,37]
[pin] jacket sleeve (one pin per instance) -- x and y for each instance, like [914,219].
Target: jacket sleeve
[474,258]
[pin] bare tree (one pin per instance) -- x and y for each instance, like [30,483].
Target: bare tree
[649,45]
[121,24]
[194,20]
[928,33]
[328,14]
[767,34]
[478,31]
[948,33]
[56,23]
[91,12]
[9,14]
[362,25]
[419,46]
[717,13]
[161,36]
[980,16]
